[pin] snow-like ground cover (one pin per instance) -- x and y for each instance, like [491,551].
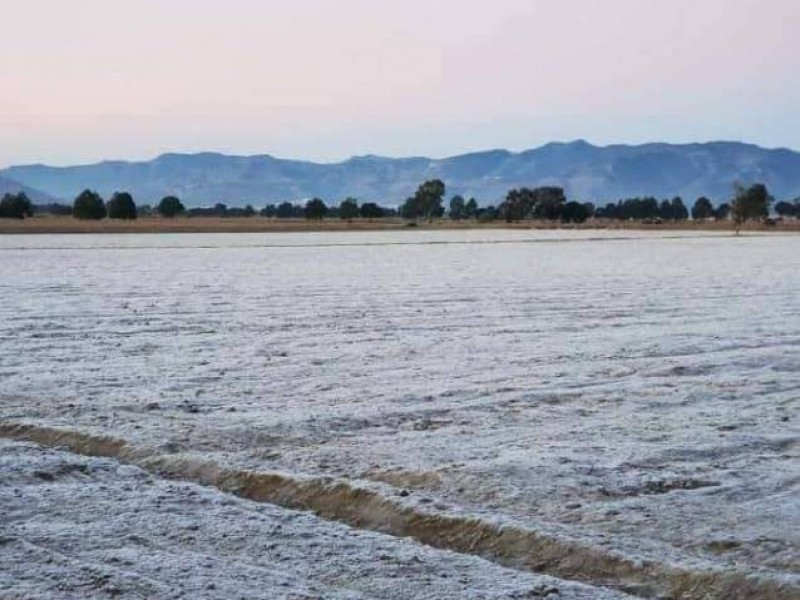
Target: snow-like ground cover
[75,527]
[635,391]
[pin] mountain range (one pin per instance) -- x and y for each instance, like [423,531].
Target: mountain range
[9,186]
[586,171]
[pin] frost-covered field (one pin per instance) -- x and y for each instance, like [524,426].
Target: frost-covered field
[636,392]
[91,528]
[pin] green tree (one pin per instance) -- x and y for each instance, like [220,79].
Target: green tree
[665,210]
[487,214]
[269,211]
[348,209]
[409,209]
[471,209]
[285,210]
[370,210]
[426,201]
[248,211]
[751,203]
[457,208]
[702,209]
[16,206]
[315,209]
[549,201]
[89,205]
[678,208]
[519,204]
[786,209]
[574,212]
[170,207]
[121,206]
[722,212]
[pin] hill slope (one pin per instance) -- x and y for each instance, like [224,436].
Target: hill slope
[587,172]
[9,186]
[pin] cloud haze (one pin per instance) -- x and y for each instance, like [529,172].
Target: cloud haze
[320,79]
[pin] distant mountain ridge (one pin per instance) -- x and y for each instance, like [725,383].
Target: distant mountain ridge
[9,186]
[586,171]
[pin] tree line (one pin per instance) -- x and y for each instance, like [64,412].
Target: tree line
[89,205]
[546,203]
[549,203]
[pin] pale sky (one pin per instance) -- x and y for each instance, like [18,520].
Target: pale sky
[84,80]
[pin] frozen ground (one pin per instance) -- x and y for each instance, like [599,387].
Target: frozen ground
[73,527]
[638,392]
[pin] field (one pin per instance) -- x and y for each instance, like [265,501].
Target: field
[65,224]
[612,408]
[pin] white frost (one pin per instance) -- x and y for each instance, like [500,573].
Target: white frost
[640,392]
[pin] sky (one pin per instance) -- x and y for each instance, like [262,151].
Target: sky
[87,80]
